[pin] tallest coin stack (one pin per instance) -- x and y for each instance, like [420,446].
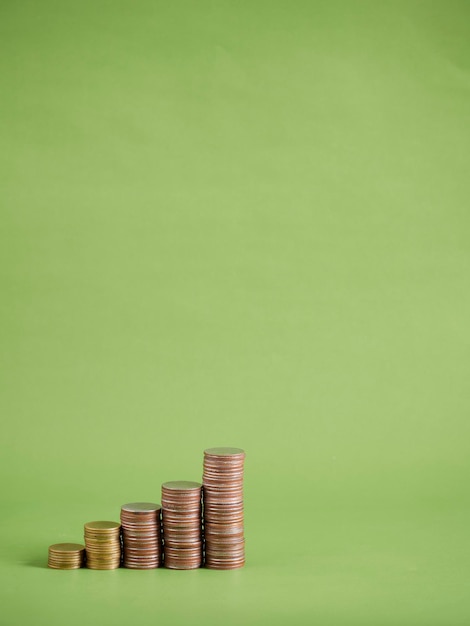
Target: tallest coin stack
[223,508]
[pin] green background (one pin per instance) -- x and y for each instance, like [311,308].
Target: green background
[243,224]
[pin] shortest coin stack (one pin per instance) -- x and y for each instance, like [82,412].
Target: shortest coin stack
[66,556]
[141,535]
[103,545]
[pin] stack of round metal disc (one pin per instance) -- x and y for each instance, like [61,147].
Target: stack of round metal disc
[103,545]
[141,535]
[66,556]
[223,508]
[182,524]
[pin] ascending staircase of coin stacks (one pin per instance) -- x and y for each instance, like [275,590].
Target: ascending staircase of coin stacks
[200,524]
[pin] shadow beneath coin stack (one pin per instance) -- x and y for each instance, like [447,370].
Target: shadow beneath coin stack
[35,561]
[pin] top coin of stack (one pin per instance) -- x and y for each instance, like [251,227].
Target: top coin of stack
[223,508]
[141,535]
[182,524]
[66,556]
[103,545]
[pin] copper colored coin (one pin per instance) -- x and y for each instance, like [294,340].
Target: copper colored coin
[222,490]
[152,534]
[224,509]
[179,564]
[226,519]
[229,506]
[185,494]
[184,503]
[140,507]
[141,553]
[214,515]
[220,538]
[224,551]
[178,500]
[182,545]
[230,561]
[210,530]
[142,563]
[181,552]
[223,512]
[142,546]
[184,485]
[176,516]
[223,465]
[224,541]
[141,566]
[141,535]
[144,539]
[178,532]
[193,557]
[225,558]
[147,562]
[232,508]
[141,558]
[228,564]
[174,494]
[216,486]
[224,452]
[228,491]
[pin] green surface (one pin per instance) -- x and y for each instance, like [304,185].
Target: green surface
[243,224]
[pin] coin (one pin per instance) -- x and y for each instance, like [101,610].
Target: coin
[223,510]
[232,453]
[140,507]
[103,545]
[182,485]
[182,524]
[66,556]
[102,527]
[141,535]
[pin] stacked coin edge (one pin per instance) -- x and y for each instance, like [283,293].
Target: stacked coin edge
[66,556]
[182,524]
[224,536]
[141,535]
[103,545]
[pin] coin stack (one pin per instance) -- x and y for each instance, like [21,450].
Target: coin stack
[141,535]
[103,545]
[66,556]
[182,524]
[223,508]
